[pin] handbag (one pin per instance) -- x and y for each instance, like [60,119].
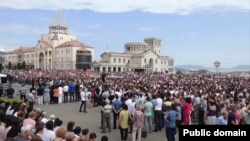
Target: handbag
[144,133]
[130,119]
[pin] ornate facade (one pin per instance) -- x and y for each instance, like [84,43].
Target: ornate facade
[55,50]
[138,56]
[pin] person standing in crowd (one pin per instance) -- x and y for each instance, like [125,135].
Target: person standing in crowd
[60,96]
[196,105]
[92,137]
[77,92]
[71,92]
[23,92]
[158,109]
[147,108]
[31,98]
[179,112]
[25,135]
[40,93]
[49,134]
[107,109]
[170,118]
[222,120]
[187,109]
[231,116]
[117,107]
[138,123]
[104,138]
[153,101]
[10,92]
[47,95]
[211,112]
[131,107]
[123,122]
[65,93]
[247,119]
[202,111]
[83,94]
[55,94]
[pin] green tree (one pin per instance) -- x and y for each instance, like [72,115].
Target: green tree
[9,66]
[19,66]
[23,66]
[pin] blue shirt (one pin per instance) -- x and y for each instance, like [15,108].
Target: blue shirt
[171,117]
[221,121]
[117,104]
[71,88]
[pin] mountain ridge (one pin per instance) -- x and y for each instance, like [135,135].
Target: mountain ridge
[213,69]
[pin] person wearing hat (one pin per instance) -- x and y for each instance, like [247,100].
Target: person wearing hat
[31,98]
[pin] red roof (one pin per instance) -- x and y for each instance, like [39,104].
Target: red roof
[22,49]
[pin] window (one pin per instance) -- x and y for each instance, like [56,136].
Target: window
[128,48]
[124,60]
[114,60]
[119,60]
[155,61]
[145,60]
[170,63]
[128,61]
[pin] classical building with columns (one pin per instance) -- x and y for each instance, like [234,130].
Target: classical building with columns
[55,50]
[137,56]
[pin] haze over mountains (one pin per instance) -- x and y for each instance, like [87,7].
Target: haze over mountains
[213,69]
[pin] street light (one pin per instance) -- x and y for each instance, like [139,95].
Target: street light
[217,65]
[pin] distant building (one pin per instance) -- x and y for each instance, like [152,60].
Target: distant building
[55,50]
[138,56]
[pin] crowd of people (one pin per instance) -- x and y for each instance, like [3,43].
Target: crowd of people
[131,102]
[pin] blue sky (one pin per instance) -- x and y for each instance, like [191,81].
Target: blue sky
[198,33]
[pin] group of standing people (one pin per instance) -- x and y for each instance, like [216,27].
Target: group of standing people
[152,102]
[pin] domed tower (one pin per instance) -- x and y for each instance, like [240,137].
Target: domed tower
[58,24]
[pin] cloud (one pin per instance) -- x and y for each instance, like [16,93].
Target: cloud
[115,6]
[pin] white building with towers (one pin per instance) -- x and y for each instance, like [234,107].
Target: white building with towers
[137,56]
[56,50]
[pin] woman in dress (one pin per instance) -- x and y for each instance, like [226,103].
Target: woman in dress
[46,95]
[138,123]
[187,109]
[211,112]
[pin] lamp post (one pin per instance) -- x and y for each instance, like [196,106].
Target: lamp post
[217,65]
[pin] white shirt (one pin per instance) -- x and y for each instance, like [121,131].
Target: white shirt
[128,101]
[119,94]
[158,105]
[66,88]
[84,96]
[9,111]
[197,101]
[48,135]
